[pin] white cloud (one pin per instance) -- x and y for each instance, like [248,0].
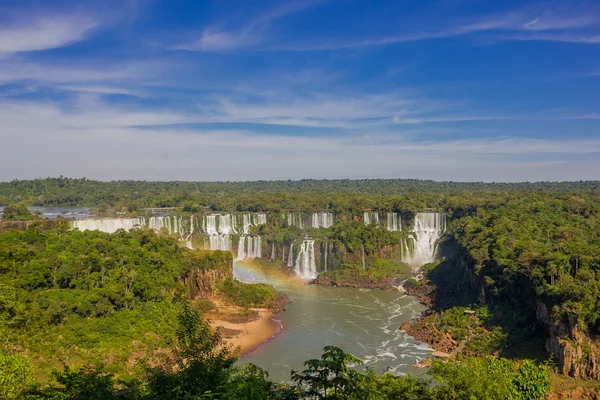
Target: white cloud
[548,21]
[247,33]
[106,143]
[44,33]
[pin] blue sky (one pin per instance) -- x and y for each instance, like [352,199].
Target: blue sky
[242,90]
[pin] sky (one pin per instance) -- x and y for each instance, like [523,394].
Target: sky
[462,90]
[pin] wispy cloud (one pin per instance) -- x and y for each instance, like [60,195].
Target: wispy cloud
[94,134]
[44,33]
[218,37]
[549,21]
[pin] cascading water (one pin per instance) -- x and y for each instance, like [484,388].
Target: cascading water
[429,227]
[322,220]
[241,252]
[295,220]
[326,253]
[394,222]
[108,225]
[370,217]
[364,265]
[306,266]
[272,258]
[290,261]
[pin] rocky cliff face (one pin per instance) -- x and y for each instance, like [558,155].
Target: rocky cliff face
[575,353]
[207,268]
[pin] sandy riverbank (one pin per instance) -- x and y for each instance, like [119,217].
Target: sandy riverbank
[245,335]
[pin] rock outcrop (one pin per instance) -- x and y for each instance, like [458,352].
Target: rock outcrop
[206,269]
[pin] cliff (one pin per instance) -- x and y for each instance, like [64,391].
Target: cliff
[575,353]
[205,270]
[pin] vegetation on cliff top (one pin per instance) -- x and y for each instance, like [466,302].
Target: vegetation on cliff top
[90,297]
[17,212]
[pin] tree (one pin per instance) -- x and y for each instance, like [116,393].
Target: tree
[14,375]
[201,361]
[17,212]
[330,377]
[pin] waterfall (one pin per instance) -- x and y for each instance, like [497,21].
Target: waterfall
[272,251]
[257,249]
[322,220]
[326,251]
[241,254]
[108,225]
[394,223]
[371,218]
[261,219]
[218,227]
[226,224]
[249,247]
[429,227]
[363,257]
[210,225]
[290,262]
[295,220]
[220,242]
[306,266]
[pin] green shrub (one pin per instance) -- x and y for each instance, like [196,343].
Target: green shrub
[246,294]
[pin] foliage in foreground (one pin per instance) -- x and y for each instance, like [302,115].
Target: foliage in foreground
[200,366]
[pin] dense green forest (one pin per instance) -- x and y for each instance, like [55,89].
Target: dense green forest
[337,195]
[202,367]
[524,258]
[83,314]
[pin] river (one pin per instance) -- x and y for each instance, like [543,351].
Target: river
[363,322]
[65,212]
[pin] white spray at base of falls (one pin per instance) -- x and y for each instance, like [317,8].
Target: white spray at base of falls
[306,266]
[429,228]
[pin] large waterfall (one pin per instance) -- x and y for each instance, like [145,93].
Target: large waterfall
[394,223]
[316,220]
[322,220]
[429,227]
[173,224]
[249,247]
[218,228]
[295,220]
[108,225]
[371,218]
[290,261]
[306,267]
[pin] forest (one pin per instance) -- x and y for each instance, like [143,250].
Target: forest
[86,315]
[336,195]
